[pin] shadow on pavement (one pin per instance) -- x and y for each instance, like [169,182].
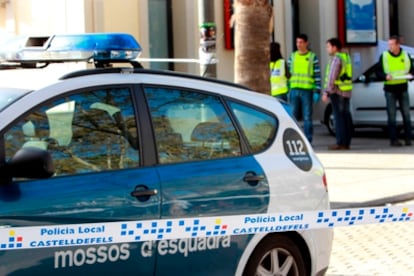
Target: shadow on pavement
[363,140]
[375,203]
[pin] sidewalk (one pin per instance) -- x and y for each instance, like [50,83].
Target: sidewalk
[359,177]
[370,171]
[370,174]
[374,249]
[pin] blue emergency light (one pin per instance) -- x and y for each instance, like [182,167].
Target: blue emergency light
[97,47]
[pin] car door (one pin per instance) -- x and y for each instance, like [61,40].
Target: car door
[93,139]
[368,101]
[203,172]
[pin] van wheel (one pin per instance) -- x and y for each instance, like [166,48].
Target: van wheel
[276,255]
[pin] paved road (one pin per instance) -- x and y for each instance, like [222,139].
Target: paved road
[371,173]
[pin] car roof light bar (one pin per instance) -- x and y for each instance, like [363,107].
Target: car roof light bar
[97,47]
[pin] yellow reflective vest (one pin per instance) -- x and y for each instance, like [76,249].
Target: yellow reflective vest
[278,80]
[344,81]
[302,71]
[396,66]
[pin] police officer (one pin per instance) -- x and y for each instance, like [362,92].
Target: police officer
[279,73]
[305,83]
[338,88]
[395,68]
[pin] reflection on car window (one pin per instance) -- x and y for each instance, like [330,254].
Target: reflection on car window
[258,127]
[190,126]
[86,132]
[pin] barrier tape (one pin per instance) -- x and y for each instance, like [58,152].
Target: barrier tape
[12,238]
[182,60]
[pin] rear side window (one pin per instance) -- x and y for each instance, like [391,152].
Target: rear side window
[258,126]
[189,125]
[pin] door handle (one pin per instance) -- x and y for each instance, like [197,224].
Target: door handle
[252,178]
[142,193]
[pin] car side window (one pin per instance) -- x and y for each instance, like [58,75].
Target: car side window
[371,74]
[190,125]
[85,132]
[258,126]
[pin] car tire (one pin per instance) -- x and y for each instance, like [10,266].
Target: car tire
[329,120]
[276,254]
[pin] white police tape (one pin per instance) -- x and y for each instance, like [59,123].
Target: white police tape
[178,60]
[137,231]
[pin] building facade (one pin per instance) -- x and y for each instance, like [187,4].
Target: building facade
[171,28]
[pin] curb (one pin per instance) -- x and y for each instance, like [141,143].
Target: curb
[374,203]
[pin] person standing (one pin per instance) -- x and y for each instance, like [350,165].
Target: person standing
[279,73]
[395,69]
[338,89]
[304,83]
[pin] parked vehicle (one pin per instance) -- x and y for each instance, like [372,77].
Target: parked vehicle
[124,144]
[368,107]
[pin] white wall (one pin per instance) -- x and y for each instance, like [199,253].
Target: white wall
[185,33]
[31,17]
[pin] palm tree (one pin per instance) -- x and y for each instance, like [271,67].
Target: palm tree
[253,20]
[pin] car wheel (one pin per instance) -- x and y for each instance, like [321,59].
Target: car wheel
[329,120]
[276,255]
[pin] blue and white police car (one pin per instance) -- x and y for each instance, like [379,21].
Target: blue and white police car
[122,143]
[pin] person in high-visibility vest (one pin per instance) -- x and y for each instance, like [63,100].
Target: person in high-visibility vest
[338,90]
[279,73]
[304,83]
[395,68]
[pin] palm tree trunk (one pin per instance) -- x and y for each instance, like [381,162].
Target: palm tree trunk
[252,37]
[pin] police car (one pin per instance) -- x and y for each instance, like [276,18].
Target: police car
[123,143]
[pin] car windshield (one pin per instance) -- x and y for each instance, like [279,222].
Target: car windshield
[10,95]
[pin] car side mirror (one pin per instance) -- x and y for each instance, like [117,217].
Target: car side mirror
[30,162]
